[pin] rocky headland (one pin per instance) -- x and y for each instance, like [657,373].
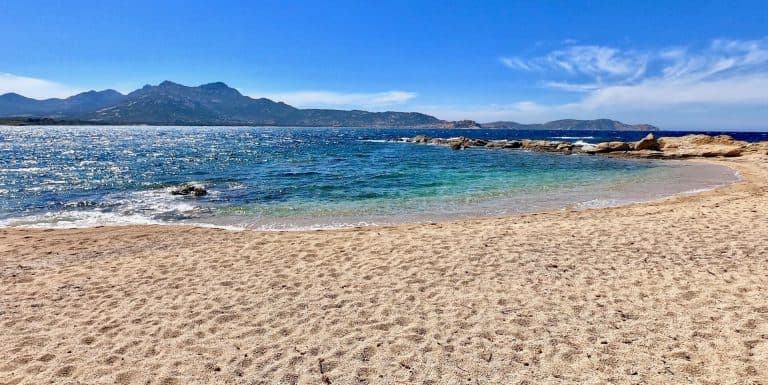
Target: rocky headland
[688,146]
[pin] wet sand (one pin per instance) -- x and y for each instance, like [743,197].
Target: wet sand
[672,291]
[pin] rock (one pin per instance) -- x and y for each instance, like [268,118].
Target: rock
[699,145]
[647,143]
[647,154]
[726,151]
[504,144]
[608,147]
[420,139]
[565,148]
[758,147]
[190,189]
[706,139]
[437,141]
[698,140]
[585,148]
[540,145]
[462,143]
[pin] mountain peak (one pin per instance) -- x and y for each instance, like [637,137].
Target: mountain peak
[107,92]
[13,95]
[216,85]
[168,83]
[220,88]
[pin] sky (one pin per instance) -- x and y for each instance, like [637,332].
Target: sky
[675,64]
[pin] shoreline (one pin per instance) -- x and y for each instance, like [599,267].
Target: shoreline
[668,291]
[723,162]
[626,198]
[603,194]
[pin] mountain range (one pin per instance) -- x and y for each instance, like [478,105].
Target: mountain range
[169,103]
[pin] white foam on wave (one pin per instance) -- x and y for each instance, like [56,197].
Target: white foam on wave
[600,203]
[87,219]
[25,170]
[310,227]
[150,207]
[76,219]
[572,137]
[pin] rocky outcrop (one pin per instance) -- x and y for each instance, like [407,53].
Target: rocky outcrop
[689,146]
[699,145]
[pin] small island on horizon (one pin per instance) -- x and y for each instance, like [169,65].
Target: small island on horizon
[217,104]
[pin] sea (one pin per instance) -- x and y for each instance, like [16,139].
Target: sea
[270,178]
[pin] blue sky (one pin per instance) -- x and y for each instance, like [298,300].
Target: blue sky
[676,64]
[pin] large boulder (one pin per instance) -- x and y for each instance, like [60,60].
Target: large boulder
[608,147]
[647,143]
[420,139]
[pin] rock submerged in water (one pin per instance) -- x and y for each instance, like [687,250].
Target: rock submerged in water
[190,189]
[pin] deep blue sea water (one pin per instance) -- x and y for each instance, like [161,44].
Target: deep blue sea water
[289,178]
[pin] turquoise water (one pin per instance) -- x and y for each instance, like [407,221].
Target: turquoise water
[282,178]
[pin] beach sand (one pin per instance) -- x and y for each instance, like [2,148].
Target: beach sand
[668,292]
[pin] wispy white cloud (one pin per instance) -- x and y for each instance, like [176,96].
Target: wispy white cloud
[517,63]
[726,74]
[591,60]
[372,100]
[34,88]
[597,61]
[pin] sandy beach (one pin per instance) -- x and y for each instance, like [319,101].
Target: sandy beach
[669,292]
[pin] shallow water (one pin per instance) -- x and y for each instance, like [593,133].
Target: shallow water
[291,178]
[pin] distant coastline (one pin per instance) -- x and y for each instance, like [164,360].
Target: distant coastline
[590,124]
[216,104]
